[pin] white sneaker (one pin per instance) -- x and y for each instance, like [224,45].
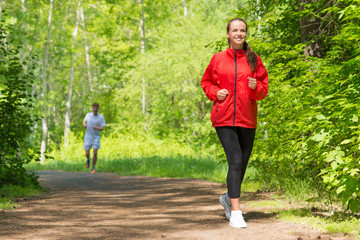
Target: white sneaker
[226,205]
[237,219]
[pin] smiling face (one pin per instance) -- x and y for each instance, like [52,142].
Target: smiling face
[236,34]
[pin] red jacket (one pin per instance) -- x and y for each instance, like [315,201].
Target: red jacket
[242,110]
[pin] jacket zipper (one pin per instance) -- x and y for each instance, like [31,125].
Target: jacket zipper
[235,89]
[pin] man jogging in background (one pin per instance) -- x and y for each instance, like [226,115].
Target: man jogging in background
[94,122]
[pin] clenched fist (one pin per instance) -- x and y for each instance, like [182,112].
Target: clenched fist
[221,94]
[252,83]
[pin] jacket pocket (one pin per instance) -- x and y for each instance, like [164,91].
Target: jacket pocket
[215,111]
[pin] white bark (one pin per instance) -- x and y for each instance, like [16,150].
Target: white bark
[185,77]
[143,50]
[72,70]
[1,7]
[34,129]
[23,8]
[44,86]
[258,17]
[87,56]
[185,8]
[142,28]
[143,96]
[56,122]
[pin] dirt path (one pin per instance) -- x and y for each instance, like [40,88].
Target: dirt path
[107,206]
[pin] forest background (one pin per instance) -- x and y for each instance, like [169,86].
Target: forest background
[143,60]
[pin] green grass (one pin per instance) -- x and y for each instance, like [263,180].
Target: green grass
[144,155]
[273,204]
[9,192]
[6,203]
[156,166]
[126,147]
[339,222]
[305,213]
[176,167]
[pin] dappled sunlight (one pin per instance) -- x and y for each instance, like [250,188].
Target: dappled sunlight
[85,204]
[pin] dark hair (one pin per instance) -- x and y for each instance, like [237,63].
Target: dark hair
[250,54]
[95,104]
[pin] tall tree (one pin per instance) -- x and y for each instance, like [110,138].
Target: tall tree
[86,44]
[23,7]
[143,50]
[185,8]
[1,8]
[72,69]
[16,104]
[44,86]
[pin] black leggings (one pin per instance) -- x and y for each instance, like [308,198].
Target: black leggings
[237,143]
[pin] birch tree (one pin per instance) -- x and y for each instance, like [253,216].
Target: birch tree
[87,55]
[44,86]
[143,50]
[23,8]
[1,8]
[72,70]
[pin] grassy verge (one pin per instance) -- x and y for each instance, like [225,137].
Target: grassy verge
[315,215]
[145,155]
[338,222]
[156,166]
[9,192]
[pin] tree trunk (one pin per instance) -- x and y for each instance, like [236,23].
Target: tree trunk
[34,129]
[142,28]
[258,16]
[87,56]
[310,29]
[23,8]
[185,8]
[1,8]
[72,70]
[143,50]
[44,90]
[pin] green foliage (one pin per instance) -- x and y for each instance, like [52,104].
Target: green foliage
[14,191]
[309,122]
[125,146]
[145,155]
[6,203]
[15,114]
[139,155]
[172,67]
[308,133]
[9,192]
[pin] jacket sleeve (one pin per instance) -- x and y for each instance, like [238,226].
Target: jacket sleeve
[261,75]
[208,81]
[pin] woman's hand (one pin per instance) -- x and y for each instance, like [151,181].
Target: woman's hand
[221,94]
[252,83]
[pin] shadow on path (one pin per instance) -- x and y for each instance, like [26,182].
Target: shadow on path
[107,206]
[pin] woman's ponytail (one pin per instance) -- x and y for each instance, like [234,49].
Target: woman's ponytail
[250,56]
